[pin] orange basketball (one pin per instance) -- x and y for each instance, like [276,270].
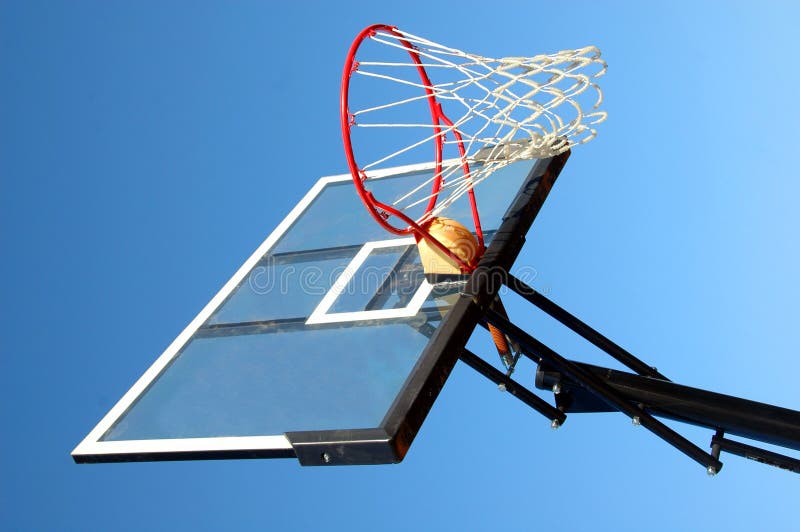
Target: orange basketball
[456,238]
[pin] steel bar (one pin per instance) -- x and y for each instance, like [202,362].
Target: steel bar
[512,387]
[759,455]
[581,328]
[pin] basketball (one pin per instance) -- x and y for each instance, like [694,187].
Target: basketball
[456,238]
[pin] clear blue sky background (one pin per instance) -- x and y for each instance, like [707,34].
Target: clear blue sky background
[147,148]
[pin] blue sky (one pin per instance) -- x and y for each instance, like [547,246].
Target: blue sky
[146,150]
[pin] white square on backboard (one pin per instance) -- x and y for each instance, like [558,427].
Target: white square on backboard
[321,315]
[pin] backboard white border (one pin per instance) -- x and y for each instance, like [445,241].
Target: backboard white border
[91,444]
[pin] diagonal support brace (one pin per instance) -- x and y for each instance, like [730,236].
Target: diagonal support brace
[581,328]
[556,416]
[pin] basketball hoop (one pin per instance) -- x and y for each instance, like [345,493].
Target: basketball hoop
[498,111]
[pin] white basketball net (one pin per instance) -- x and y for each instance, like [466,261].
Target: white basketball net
[505,109]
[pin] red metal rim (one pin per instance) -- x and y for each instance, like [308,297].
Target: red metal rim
[380,211]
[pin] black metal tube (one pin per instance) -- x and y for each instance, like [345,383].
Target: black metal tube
[512,387]
[759,455]
[732,415]
[537,351]
[581,328]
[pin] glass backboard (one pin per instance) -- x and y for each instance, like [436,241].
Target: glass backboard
[328,344]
